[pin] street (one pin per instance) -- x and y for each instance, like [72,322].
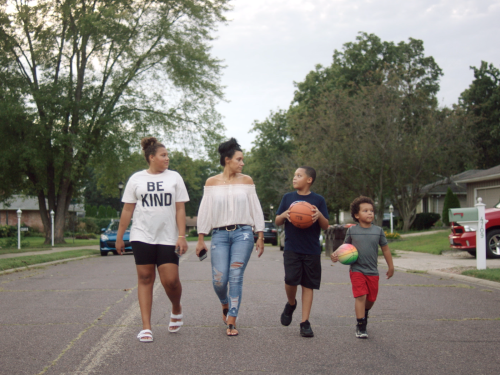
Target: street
[82,317]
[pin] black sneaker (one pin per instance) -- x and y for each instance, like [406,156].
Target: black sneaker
[361,331]
[306,330]
[286,316]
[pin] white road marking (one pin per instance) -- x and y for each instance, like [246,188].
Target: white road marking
[109,343]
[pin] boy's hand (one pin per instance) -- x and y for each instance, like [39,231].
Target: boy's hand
[286,215]
[316,215]
[334,257]
[390,273]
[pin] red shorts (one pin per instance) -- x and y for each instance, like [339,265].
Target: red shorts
[364,285]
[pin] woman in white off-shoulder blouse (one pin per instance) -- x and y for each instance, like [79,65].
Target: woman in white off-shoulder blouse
[230,208]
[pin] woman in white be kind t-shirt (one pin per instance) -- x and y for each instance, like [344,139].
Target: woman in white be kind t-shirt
[155,197]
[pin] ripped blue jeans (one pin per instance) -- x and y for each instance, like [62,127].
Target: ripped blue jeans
[230,254]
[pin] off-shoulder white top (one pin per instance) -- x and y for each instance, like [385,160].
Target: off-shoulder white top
[224,205]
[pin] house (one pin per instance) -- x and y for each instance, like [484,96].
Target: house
[484,184]
[30,211]
[433,200]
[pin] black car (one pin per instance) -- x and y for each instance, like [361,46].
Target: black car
[270,234]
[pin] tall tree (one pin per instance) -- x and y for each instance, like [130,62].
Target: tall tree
[482,101]
[271,162]
[80,77]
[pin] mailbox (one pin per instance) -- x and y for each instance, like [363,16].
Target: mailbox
[459,215]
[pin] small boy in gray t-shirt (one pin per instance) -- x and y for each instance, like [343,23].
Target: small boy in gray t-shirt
[366,238]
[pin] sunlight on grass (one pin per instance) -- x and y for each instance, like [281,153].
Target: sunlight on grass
[428,243]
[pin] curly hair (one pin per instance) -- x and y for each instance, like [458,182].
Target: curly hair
[357,203]
[150,145]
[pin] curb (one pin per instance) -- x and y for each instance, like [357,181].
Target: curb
[469,279]
[27,268]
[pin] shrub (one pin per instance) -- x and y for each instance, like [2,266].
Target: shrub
[111,212]
[101,212]
[392,236]
[425,221]
[8,231]
[90,225]
[193,233]
[450,201]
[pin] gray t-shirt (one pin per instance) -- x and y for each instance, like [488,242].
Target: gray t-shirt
[366,240]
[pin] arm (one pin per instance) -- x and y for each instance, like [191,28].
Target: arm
[322,221]
[388,258]
[126,216]
[180,218]
[257,216]
[280,219]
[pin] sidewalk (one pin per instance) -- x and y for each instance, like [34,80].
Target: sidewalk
[449,265]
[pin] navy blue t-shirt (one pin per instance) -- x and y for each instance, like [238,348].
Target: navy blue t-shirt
[302,241]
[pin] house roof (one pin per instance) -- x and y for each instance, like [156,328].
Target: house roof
[441,186]
[28,203]
[481,175]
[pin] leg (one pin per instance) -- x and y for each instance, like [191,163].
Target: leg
[307,300]
[359,306]
[240,252]
[169,276]
[146,277]
[220,268]
[291,293]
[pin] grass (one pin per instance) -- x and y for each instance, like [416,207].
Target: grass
[207,238]
[428,243]
[29,260]
[37,244]
[488,274]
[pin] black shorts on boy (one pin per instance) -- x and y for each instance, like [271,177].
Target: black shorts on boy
[302,269]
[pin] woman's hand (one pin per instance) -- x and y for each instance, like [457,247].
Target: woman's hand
[182,245]
[259,246]
[200,246]
[120,245]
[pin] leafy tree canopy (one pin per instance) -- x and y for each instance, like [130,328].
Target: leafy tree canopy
[482,101]
[80,79]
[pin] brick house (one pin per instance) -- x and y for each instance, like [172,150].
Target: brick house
[30,211]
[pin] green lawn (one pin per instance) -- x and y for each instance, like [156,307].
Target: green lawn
[488,274]
[37,244]
[29,260]
[428,243]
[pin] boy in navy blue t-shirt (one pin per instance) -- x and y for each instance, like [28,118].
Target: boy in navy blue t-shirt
[302,255]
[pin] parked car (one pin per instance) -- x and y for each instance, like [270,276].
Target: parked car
[463,237]
[270,234]
[108,238]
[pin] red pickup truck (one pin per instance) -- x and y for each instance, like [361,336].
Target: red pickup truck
[463,237]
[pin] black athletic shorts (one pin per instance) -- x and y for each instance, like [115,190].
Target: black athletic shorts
[302,269]
[145,253]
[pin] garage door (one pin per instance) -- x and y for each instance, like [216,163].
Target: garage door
[491,196]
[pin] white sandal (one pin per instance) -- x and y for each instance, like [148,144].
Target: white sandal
[145,335]
[175,324]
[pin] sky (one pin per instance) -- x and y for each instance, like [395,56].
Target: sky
[267,45]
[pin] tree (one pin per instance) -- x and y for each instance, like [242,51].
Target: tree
[271,163]
[450,201]
[80,79]
[482,102]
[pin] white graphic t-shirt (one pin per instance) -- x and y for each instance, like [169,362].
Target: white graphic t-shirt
[155,196]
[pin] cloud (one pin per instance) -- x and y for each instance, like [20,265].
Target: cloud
[268,45]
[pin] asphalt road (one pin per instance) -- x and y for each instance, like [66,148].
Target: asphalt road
[82,317]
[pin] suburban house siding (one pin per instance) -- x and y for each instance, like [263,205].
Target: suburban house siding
[488,190]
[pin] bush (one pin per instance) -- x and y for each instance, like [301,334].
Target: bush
[90,210]
[425,221]
[392,236]
[101,212]
[90,225]
[193,233]
[8,231]
[85,236]
[450,201]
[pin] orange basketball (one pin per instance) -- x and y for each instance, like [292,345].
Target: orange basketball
[301,214]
